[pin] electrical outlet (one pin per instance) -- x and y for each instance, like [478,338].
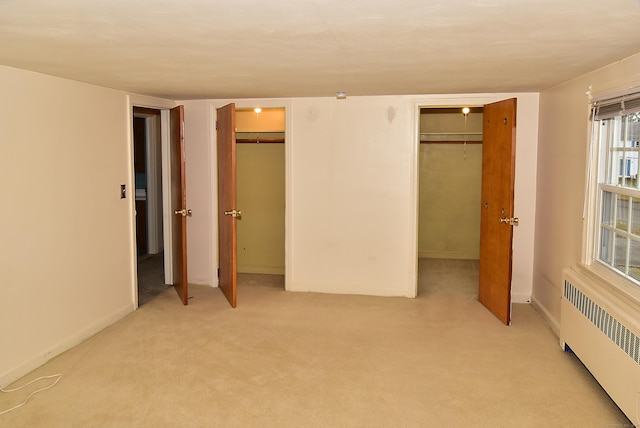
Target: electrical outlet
[123,191]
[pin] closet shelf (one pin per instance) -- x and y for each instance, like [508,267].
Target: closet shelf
[260,137]
[451,137]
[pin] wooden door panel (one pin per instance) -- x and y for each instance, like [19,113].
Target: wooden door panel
[178,203]
[496,237]
[227,225]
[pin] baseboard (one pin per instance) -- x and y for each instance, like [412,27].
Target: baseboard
[38,360]
[546,316]
[520,298]
[348,289]
[446,255]
[261,270]
[202,281]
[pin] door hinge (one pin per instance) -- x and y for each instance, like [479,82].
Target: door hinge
[218,272]
[216,125]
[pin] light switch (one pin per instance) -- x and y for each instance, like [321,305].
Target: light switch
[123,191]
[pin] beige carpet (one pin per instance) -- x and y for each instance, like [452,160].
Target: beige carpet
[456,279]
[286,359]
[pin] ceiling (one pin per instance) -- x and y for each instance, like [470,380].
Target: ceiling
[191,49]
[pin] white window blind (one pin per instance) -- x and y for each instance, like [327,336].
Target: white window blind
[617,106]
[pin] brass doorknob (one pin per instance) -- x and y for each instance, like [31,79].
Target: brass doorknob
[234,213]
[183,213]
[511,221]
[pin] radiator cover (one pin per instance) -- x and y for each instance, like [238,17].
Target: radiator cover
[603,333]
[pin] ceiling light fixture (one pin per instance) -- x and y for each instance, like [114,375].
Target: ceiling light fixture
[465,111]
[257,110]
[341,95]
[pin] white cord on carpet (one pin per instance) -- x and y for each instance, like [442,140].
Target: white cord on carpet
[57,376]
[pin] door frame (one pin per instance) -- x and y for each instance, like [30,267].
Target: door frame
[164,106]
[437,102]
[151,137]
[247,104]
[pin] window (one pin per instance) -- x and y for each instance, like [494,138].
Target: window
[615,142]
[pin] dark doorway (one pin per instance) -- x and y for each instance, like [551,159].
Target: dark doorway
[148,203]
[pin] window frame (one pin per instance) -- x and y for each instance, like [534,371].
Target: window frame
[597,170]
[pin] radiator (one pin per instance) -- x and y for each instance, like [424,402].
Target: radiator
[603,331]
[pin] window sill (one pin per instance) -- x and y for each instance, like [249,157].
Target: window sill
[618,287]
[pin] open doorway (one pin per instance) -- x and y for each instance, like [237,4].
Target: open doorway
[148,203]
[450,175]
[260,158]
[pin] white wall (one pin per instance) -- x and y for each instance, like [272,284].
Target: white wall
[352,189]
[200,176]
[525,197]
[352,195]
[562,155]
[67,241]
